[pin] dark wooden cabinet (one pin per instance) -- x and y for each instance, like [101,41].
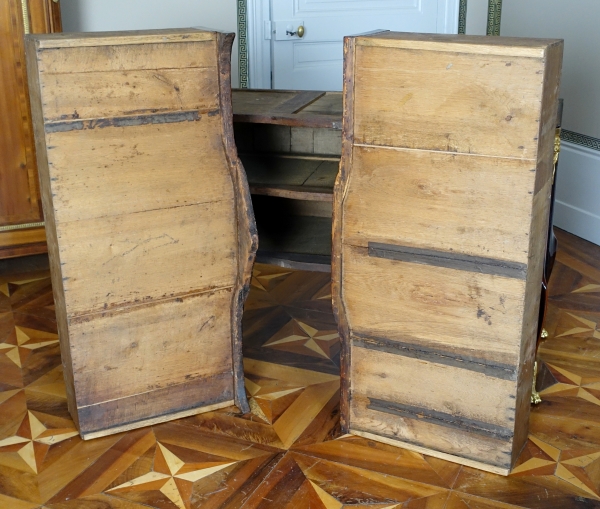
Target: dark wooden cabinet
[21,221]
[290,145]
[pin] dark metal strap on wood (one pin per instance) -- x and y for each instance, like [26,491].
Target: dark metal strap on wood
[448,260]
[495,370]
[126,121]
[440,418]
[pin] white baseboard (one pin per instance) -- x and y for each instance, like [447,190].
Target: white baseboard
[577,206]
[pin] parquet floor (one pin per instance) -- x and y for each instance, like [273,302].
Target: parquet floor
[287,453]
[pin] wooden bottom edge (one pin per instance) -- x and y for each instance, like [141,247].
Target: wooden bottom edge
[430,452]
[154,420]
[23,250]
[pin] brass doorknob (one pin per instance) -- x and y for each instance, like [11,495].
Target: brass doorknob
[299,32]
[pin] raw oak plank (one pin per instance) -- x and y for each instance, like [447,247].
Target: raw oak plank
[442,204]
[148,216]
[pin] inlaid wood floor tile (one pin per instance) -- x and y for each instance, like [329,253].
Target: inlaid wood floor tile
[573,291]
[388,460]
[14,503]
[545,491]
[288,320]
[287,453]
[564,433]
[302,481]
[289,406]
[461,501]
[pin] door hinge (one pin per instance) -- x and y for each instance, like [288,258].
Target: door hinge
[268,29]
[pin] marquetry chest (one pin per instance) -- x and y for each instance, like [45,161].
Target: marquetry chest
[440,223]
[150,229]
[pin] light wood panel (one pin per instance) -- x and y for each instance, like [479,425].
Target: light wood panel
[391,378]
[423,435]
[130,92]
[144,193]
[140,166]
[136,259]
[437,200]
[442,204]
[102,58]
[461,312]
[423,99]
[469,44]
[163,37]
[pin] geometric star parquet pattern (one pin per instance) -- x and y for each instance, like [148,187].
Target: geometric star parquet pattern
[288,452]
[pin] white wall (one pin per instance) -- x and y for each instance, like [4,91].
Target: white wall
[575,21]
[106,15]
[477,11]
[577,207]
[578,23]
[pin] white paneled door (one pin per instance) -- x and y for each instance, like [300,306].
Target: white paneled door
[307,35]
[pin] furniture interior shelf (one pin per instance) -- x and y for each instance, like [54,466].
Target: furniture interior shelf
[288,107]
[293,176]
[290,145]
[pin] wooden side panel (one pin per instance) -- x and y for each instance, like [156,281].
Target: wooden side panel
[492,454]
[448,101]
[129,92]
[540,211]
[548,120]
[150,174]
[532,294]
[440,211]
[148,352]
[144,189]
[339,194]
[134,55]
[147,256]
[247,235]
[452,389]
[50,228]
[460,312]
[441,201]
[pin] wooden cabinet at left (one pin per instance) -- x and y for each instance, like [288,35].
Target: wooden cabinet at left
[21,221]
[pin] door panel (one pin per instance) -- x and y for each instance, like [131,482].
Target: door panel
[354,5]
[314,62]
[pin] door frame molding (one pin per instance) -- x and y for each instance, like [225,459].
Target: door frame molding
[255,50]
[255,63]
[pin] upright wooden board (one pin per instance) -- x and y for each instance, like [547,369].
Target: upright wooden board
[439,232]
[149,222]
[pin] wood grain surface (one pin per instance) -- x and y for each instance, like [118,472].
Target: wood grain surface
[440,220]
[144,192]
[288,451]
[20,203]
[306,109]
